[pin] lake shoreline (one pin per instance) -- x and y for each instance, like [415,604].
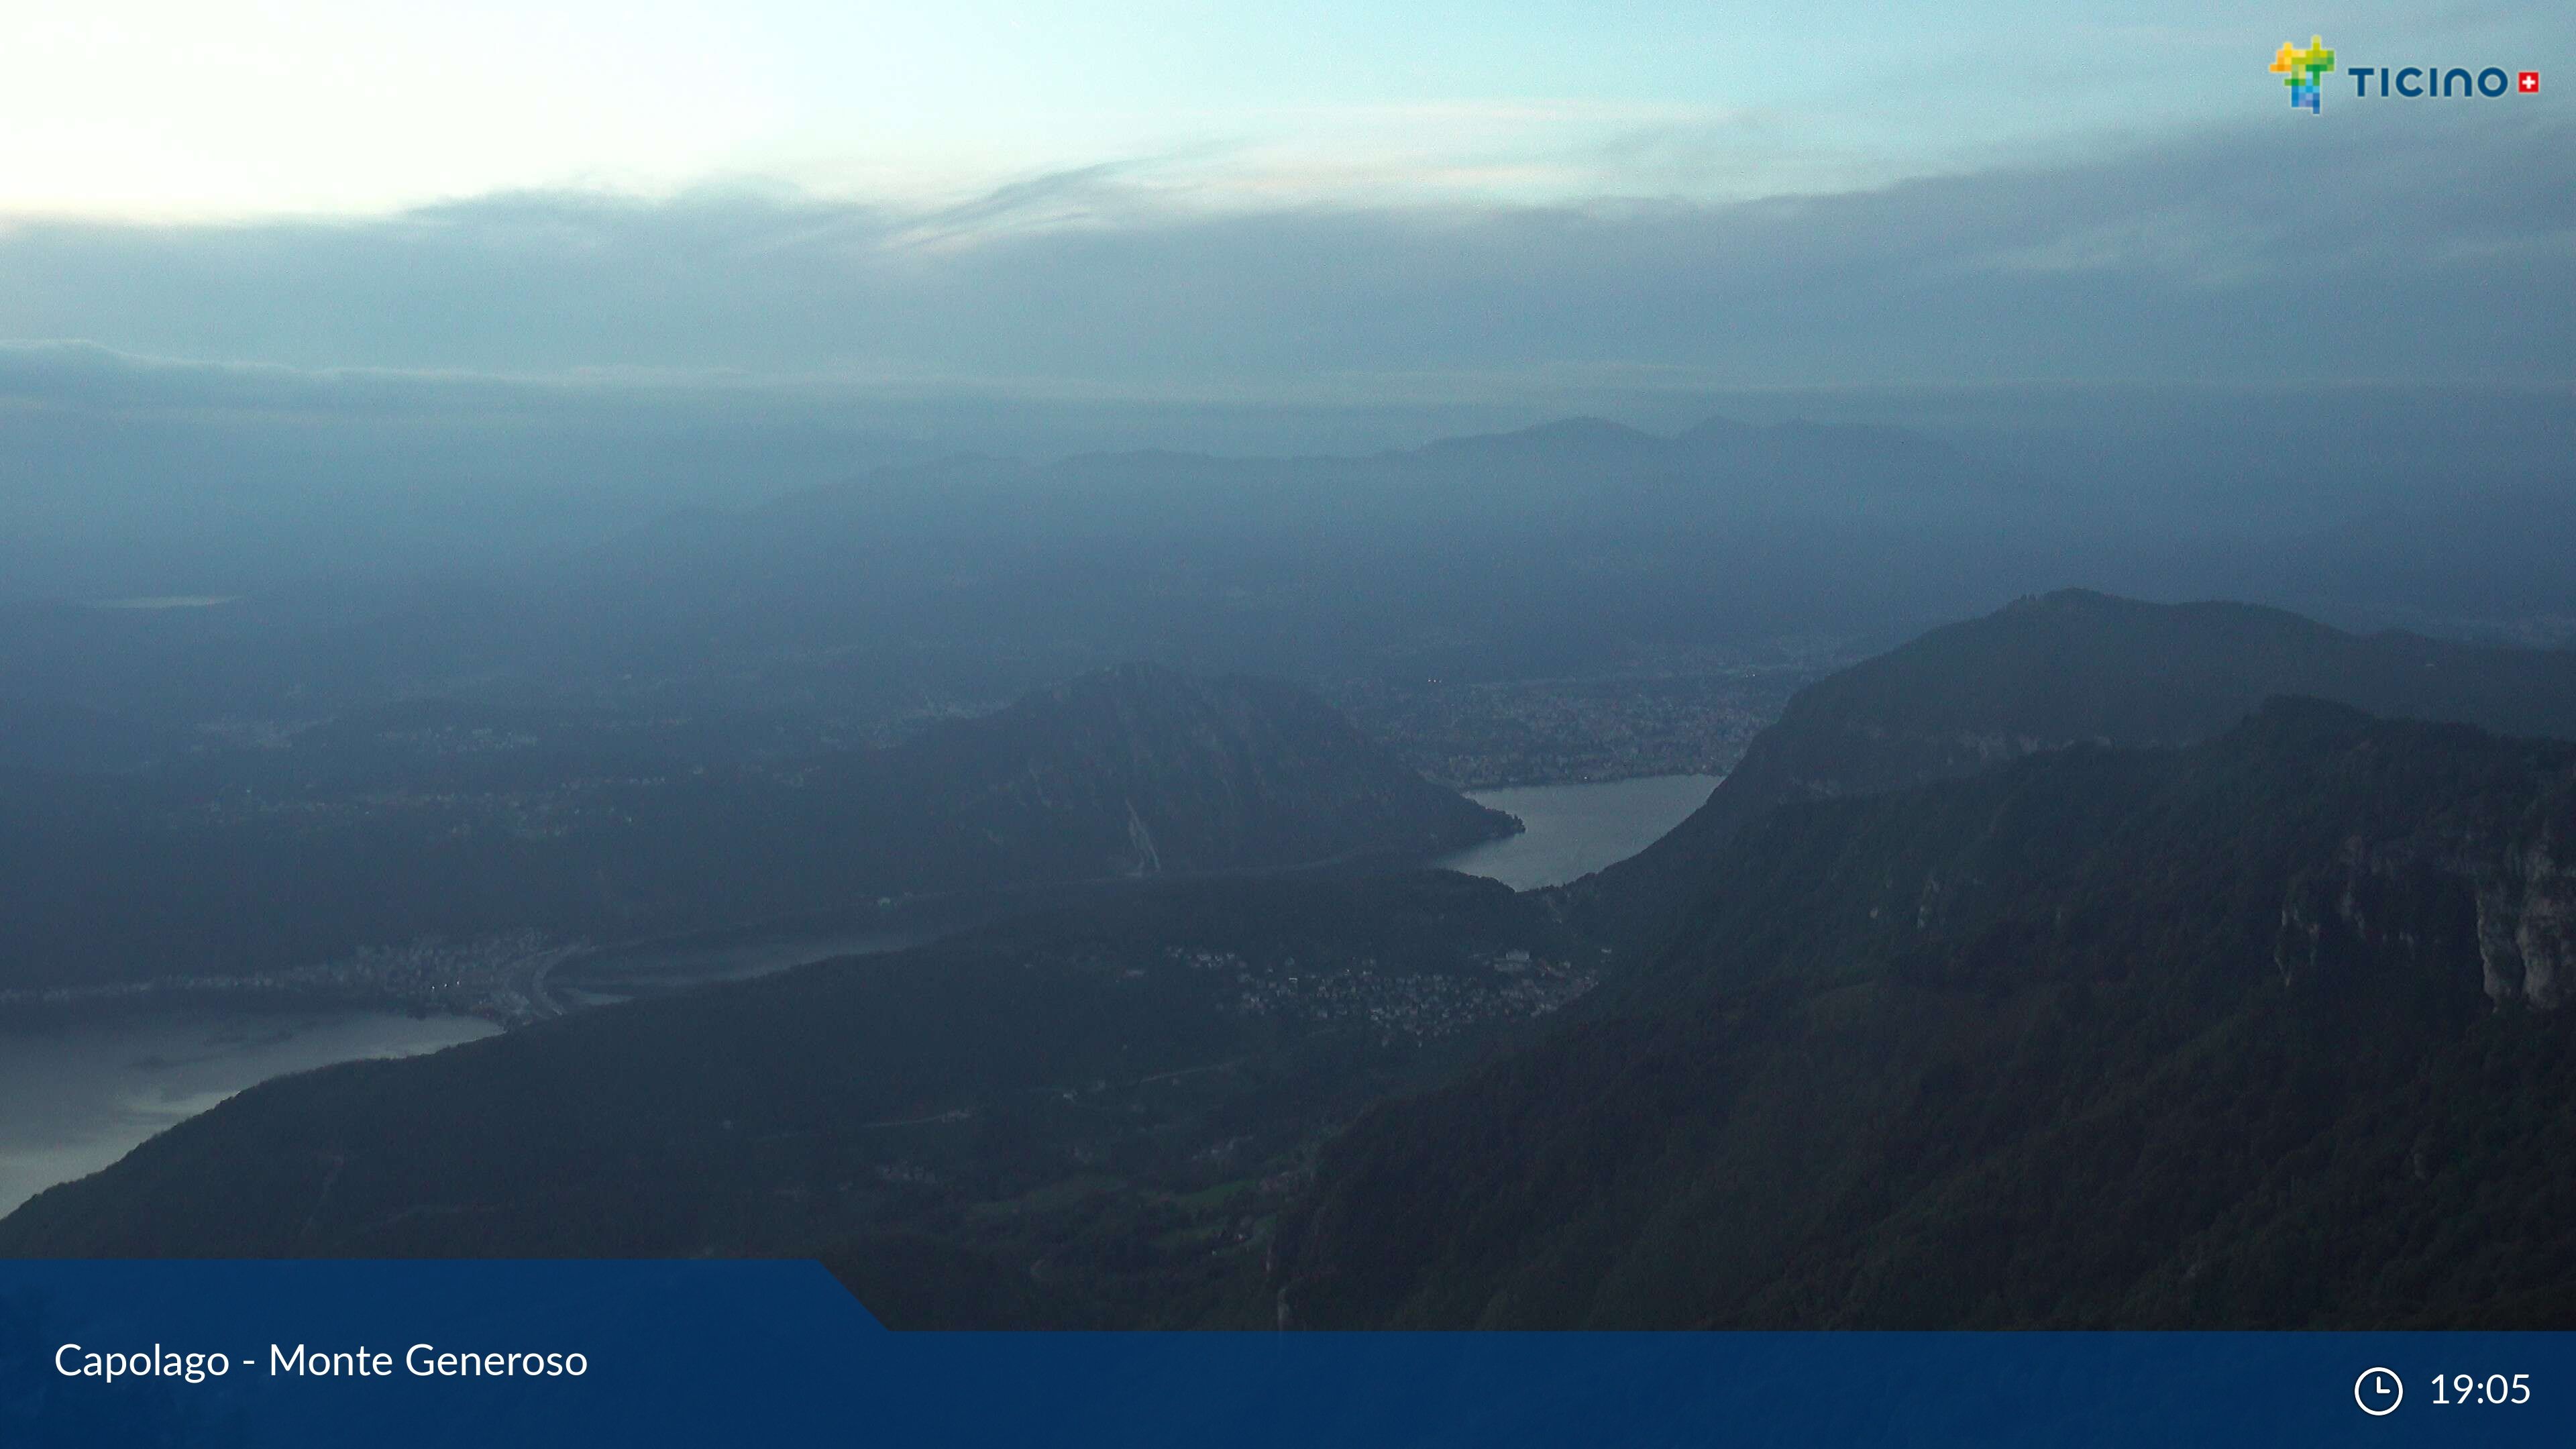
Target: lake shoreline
[77,1095]
[93,1075]
[1570,831]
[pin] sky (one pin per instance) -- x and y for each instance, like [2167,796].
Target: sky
[1315,204]
[172,110]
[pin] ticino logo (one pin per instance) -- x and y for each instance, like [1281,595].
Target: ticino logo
[2303,68]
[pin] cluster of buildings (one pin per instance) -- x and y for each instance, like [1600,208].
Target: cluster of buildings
[1475,736]
[1399,1004]
[500,977]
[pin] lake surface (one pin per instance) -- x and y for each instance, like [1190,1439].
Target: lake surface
[74,1098]
[1575,830]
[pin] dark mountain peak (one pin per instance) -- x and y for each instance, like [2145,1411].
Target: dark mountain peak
[2301,732]
[2057,669]
[2080,664]
[1143,769]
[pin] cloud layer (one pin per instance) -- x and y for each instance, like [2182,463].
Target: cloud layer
[2436,245]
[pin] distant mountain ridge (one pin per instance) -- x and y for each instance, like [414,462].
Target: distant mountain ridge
[1572,468]
[2055,670]
[977,578]
[1535,553]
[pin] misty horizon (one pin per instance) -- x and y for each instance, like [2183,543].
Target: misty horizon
[1211,667]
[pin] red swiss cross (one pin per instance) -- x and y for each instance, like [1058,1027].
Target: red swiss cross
[2529,83]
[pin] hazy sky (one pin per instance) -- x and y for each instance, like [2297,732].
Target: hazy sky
[1318,199]
[184,108]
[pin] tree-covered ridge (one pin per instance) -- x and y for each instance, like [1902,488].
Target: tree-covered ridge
[2060,669]
[2259,1030]
[2207,1037]
[1124,1091]
[435,819]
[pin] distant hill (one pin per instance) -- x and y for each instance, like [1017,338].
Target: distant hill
[2268,1032]
[2056,670]
[438,819]
[1535,553]
[1522,554]
[1141,771]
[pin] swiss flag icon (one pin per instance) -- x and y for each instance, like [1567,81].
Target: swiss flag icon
[2528,83]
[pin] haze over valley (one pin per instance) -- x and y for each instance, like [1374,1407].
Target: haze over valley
[1700,669]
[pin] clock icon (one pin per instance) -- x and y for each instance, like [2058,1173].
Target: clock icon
[2378,1391]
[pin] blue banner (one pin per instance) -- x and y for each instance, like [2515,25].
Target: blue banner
[741,1353]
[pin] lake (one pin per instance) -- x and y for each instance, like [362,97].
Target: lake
[74,1098]
[1575,830]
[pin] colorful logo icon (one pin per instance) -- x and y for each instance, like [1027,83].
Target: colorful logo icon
[2528,83]
[2303,70]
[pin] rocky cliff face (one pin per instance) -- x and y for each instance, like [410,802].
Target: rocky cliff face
[2257,1033]
[2496,898]
[2526,927]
